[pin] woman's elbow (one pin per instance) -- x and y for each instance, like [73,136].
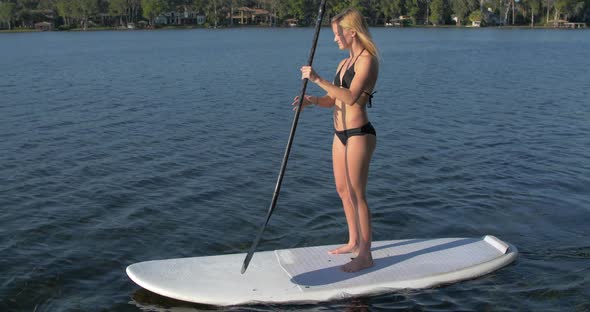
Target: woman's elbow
[351,100]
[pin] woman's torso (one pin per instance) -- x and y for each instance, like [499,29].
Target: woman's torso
[350,116]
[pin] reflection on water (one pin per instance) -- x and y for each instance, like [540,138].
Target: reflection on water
[149,301]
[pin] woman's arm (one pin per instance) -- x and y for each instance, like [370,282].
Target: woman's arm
[322,101]
[366,71]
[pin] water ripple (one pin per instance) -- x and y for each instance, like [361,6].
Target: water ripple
[151,145]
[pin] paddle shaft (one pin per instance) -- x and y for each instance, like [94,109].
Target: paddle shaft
[275,196]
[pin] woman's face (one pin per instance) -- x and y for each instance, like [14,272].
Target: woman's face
[342,37]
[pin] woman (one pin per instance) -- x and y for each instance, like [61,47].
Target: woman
[355,138]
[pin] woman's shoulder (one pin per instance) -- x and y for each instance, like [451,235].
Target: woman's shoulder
[367,59]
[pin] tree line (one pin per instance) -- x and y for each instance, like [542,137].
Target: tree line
[80,13]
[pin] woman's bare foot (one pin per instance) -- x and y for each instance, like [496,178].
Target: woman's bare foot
[345,249]
[357,264]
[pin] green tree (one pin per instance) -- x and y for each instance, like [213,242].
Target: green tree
[391,8]
[306,10]
[118,8]
[65,9]
[460,8]
[23,12]
[85,10]
[413,10]
[278,8]
[153,8]
[200,5]
[569,8]
[535,7]
[342,5]
[476,16]
[134,10]
[214,12]
[437,11]
[45,4]
[548,7]
[7,11]
[296,9]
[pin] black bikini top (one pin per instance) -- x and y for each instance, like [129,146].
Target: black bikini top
[347,79]
[348,74]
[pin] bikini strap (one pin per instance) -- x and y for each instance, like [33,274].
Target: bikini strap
[347,63]
[357,57]
[339,69]
[370,104]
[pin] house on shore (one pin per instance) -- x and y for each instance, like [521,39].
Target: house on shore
[492,19]
[291,22]
[249,16]
[566,24]
[401,21]
[44,26]
[180,17]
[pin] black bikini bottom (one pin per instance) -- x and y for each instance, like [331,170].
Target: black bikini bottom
[345,134]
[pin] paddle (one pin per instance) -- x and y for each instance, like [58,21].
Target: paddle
[275,196]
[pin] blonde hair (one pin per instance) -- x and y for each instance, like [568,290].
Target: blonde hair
[352,19]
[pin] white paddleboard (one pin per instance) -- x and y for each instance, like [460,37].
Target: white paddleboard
[311,274]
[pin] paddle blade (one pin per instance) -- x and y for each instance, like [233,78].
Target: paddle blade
[247,262]
[257,240]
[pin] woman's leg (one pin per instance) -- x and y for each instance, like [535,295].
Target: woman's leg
[339,167]
[357,159]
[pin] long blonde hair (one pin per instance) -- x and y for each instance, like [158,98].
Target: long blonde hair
[352,19]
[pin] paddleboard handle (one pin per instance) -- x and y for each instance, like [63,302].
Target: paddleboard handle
[498,244]
[275,196]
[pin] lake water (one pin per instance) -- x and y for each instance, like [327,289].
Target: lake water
[120,147]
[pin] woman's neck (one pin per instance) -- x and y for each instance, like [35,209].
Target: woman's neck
[356,49]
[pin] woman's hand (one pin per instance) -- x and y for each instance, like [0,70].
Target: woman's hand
[307,100]
[309,73]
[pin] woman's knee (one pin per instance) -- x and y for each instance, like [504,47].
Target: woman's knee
[350,194]
[359,198]
[342,190]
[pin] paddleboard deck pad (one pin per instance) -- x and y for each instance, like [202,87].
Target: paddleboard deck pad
[311,274]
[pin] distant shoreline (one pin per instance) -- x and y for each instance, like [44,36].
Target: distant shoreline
[28,30]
